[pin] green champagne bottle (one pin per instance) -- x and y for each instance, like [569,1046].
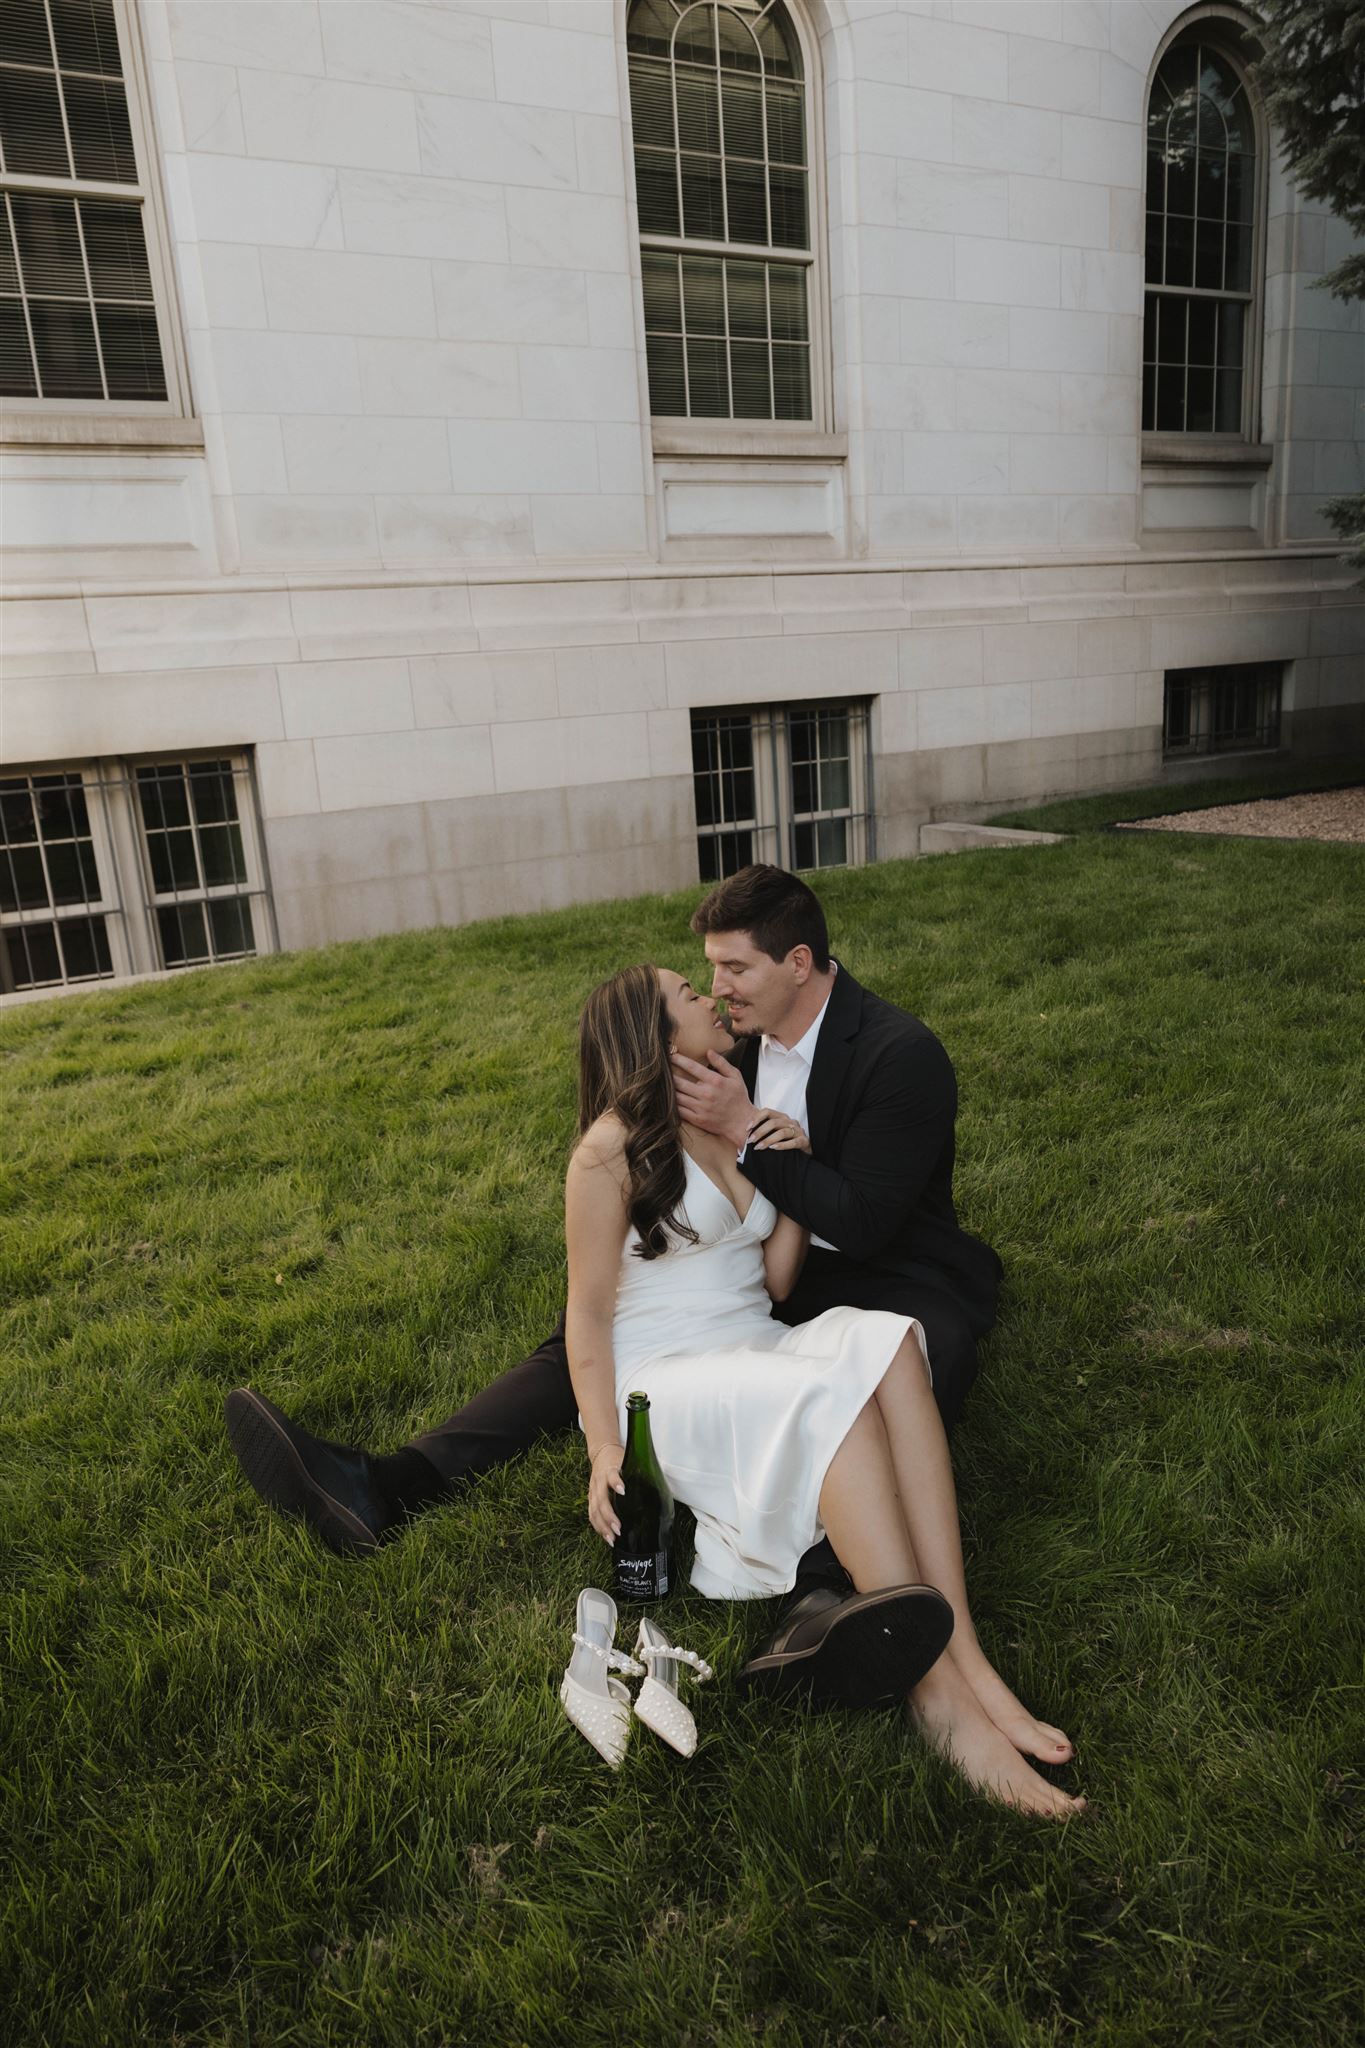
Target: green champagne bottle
[640,1554]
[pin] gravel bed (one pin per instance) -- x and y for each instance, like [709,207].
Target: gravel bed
[1323,814]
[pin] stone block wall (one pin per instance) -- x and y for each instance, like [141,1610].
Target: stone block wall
[421,551]
[525,743]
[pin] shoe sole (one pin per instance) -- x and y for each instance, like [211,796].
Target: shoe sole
[272,1465]
[876,1647]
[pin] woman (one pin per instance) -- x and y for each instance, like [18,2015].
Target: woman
[772,1436]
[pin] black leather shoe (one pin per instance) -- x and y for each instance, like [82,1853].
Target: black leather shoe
[330,1485]
[866,1650]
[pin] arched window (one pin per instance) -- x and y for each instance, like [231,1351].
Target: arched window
[718,96]
[1202,227]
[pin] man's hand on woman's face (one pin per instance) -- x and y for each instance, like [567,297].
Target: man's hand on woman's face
[713,1097]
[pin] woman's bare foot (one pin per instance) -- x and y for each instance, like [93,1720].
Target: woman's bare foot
[952,1718]
[1029,1735]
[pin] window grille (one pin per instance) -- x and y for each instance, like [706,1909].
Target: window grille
[718,108]
[1222,710]
[199,885]
[725,775]
[117,869]
[791,784]
[78,317]
[1201,244]
[56,906]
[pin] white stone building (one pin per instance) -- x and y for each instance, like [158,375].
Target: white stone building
[463,456]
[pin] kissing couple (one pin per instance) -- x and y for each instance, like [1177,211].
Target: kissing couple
[766,1245]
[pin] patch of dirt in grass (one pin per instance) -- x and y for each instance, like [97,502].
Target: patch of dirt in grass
[1194,1340]
[1323,814]
[485,1866]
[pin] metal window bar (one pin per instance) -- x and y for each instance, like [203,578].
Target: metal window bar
[207,897]
[58,895]
[1222,710]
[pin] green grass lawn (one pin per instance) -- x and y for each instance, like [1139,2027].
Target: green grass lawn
[253,1795]
[1265,779]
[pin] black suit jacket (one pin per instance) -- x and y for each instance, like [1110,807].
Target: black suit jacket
[878,1180]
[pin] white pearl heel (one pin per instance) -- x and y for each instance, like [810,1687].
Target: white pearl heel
[597,1704]
[657,1703]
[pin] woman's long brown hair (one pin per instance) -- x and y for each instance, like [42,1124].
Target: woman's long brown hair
[624,1041]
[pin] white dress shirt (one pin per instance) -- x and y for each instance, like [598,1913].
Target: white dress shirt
[783,1078]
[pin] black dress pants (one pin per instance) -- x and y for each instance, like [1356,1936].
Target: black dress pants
[535,1399]
[829,1280]
[529,1401]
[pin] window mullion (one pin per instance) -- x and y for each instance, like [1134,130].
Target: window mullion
[251,823]
[90,288]
[1165,192]
[1197,291]
[201,880]
[757,252]
[725,315]
[112,809]
[682,323]
[23,297]
[720,132]
[59,82]
[72,188]
[868,791]
[767,152]
[780,748]
[676,137]
[135,825]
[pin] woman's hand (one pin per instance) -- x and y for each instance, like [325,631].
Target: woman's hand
[603,1483]
[775,1132]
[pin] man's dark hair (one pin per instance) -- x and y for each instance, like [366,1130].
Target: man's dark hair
[776,909]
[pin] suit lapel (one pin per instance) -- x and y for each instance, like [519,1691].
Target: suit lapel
[833,1052]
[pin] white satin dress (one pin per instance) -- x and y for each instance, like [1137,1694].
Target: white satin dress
[746,1414]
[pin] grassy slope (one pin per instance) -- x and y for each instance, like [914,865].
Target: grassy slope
[256,1795]
[1093,813]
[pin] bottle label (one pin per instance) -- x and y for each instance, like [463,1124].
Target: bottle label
[643,1577]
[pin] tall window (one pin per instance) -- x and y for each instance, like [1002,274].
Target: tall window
[718,106]
[116,868]
[1201,244]
[78,313]
[790,783]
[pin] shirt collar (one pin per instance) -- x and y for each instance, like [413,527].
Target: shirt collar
[804,1048]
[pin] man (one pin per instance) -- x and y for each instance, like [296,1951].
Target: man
[876,1093]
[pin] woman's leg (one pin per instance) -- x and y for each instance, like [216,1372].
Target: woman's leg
[864,1514]
[924,1478]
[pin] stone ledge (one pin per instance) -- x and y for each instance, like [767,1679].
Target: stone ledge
[103,433]
[951,837]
